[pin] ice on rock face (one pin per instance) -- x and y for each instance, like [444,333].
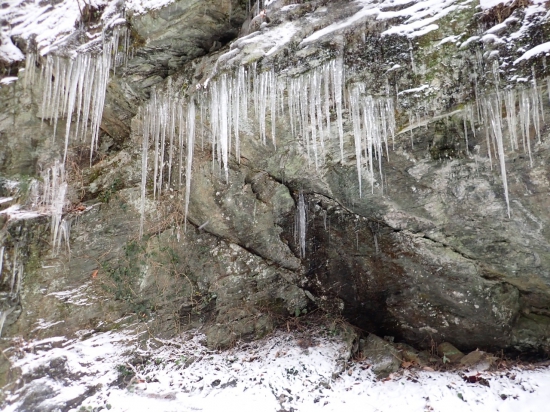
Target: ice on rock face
[310,108]
[52,201]
[75,88]
[300,225]
[169,126]
[1,260]
[373,121]
[223,107]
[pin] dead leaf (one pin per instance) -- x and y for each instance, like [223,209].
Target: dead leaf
[406,364]
[94,274]
[428,369]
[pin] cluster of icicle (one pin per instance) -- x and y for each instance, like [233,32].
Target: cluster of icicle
[305,104]
[15,281]
[48,197]
[169,126]
[74,88]
[522,109]
[373,123]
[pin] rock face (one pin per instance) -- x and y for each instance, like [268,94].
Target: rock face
[427,253]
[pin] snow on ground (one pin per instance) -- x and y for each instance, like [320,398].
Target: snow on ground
[300,372]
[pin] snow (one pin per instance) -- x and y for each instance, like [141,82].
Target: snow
[450,39]
[8,80]
[415,90]
[304,371]
[535,51]
[16,212]
[267,42]
[48,23]
[418,17]
[489,4]
[143,6]
[78,296]
[368,9]
[52,23]
[8,51]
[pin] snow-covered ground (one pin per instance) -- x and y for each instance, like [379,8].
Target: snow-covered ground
[302,371]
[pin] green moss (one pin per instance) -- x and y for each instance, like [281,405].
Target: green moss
[123,278]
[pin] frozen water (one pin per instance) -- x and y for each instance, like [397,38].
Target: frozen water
[301,224]
[75,87]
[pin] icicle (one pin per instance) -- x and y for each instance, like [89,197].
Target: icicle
[301,225]
[75,86]
[355,117]
[190,145]
[63,237]
[3,315]
[525,123]
[338,91]
[144,152]
[30,70]
[537,106]
[511,118]
[413,66]
[273,105]
[13,273]
[156,132]
[181,127]
[223,126]
[171,133]
[466,135]
[1,261]
[494,113]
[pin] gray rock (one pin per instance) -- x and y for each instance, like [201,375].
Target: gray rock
[477,361]
[447,351]
[382,355]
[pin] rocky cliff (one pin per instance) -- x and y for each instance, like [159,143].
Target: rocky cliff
[381,161]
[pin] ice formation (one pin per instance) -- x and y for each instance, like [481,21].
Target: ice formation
[47,196]
[522,110]
[74,87]
[310,106]
[223,106]
[1,260]
[300,223]
[373,122]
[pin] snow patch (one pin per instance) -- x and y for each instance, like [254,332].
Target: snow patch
[535,51]
[301,371]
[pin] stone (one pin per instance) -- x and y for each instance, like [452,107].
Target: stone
[448,351]
[410,354]
[477,361]
[382,355]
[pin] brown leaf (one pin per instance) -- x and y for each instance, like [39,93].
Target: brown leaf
[94,274]
[406,364]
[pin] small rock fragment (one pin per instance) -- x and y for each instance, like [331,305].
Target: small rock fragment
[383,356]
[450,352]
[477,361]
